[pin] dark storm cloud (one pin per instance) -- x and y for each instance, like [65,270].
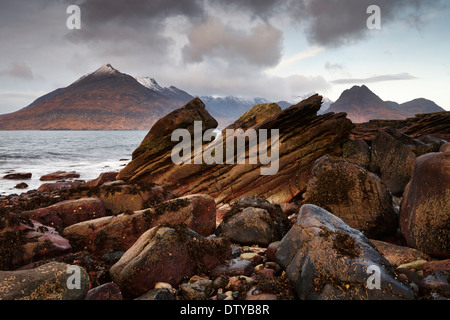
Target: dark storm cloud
[328,23]
[335,22]
[134,12]
[381,78]
[127,28]
[256,8]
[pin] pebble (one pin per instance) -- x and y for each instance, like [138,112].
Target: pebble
[413,265]
[255,258]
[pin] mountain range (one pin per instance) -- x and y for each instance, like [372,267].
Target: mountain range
[362,105]
[108,99]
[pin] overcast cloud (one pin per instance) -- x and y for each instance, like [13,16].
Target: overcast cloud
[206,47]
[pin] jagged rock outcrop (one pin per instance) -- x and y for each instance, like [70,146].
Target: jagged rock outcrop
[152,158]
[303,138]
[436,124]
[255,115]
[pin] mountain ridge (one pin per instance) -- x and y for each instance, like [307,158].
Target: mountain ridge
[363,105]
[108,99]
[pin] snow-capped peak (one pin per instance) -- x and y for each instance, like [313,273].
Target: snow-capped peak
[149,83]
[106,69]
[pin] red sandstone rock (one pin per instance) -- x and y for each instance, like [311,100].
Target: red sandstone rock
[119,232]
[66,213]
[424,211]
[166,255]
[59,175]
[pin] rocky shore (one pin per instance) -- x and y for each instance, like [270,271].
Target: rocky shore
[346,217]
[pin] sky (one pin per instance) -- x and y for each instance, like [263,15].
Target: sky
[276,49]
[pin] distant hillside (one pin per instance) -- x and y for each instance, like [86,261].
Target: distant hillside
[103,100]
[362,105]
[108,99]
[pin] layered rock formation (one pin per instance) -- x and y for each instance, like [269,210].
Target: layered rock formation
[228,232]
[303,138]
[436,124]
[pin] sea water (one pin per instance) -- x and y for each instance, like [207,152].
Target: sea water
[41,152]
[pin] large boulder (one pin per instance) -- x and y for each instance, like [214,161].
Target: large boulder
[23,240]
[392,158]
[66,213]
[353,194]
[357,151]
[250,226]
[51,281]
[328,260]
[115,233]
[253,220]
[303,138]
[424,211]
[169,255]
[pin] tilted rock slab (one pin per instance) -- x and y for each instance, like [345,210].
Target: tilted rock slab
[303,138]
[66,213]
